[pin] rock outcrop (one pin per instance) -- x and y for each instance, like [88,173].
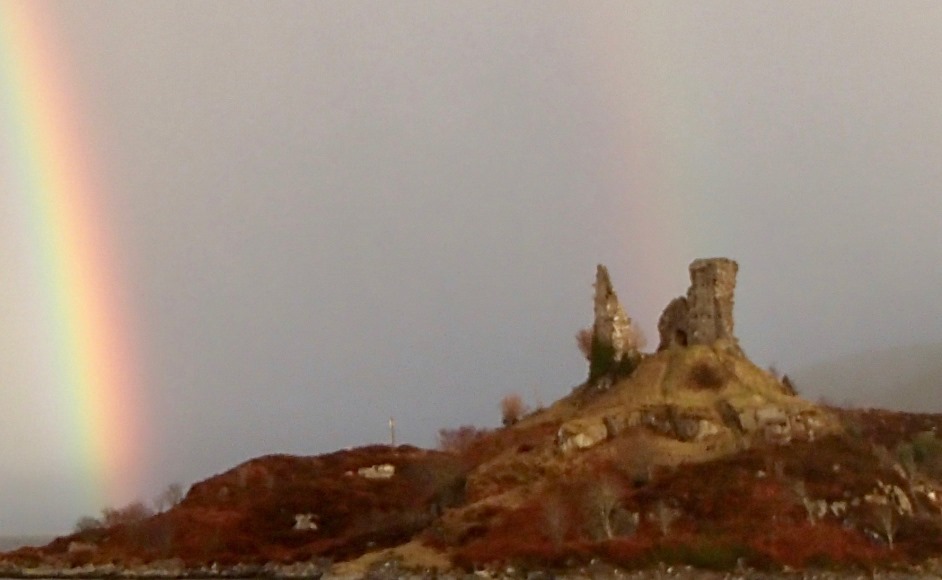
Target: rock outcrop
[705,315]
[384,471]
[581,435]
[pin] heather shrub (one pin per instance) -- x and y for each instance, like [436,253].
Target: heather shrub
[460,440]
[788,385]
[707,376]
[634,458]
[130,514]
[927,451]
[704,554]
[923,453]
[88,523]
[441,483]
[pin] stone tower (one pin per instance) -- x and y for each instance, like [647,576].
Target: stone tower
[710,300]
[705,315]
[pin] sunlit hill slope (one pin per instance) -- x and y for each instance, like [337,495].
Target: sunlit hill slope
[689,454]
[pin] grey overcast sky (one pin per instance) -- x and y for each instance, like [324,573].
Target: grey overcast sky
[328,213]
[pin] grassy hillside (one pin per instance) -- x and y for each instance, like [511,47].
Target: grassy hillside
[697,457]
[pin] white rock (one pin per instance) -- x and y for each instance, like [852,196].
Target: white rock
[581,435]
[383,471]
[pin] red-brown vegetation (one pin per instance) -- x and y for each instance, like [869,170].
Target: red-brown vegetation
[584,342]
[460,440]
[753,507]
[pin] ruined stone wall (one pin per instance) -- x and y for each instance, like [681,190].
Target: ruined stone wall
[672,326]
[612,327]
[705,315]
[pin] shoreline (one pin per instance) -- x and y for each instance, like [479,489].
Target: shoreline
[391,570]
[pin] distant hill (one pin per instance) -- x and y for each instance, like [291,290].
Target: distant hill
[904,379]
[12,542]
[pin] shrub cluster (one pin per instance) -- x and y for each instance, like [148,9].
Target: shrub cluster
[707,376]
[602,361]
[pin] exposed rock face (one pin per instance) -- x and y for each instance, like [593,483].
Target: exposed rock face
[612,327]
[705,315]
[581,435]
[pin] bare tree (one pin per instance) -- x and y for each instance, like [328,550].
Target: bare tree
[635,339]
[169,497]
[885,515]
[801,492]
[512,408]
[130,514]
[602,500]
[664,516]
[584,341]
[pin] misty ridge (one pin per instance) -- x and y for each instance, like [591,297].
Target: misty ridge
[905,378]
[12,542]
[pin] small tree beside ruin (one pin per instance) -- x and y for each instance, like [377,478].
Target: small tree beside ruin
[612,345]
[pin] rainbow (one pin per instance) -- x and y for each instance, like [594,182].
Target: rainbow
[661,220]
[48,174]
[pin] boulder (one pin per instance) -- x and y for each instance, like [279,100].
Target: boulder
[581,434]
[304,522]
[658,419]
[706,429]
[384,471]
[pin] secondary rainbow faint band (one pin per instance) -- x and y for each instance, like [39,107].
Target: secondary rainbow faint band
[49,174]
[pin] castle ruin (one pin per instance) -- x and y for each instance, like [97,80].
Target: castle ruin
[705,315]
[612,327]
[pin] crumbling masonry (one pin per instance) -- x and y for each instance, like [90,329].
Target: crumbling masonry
[612,327]
[705,315]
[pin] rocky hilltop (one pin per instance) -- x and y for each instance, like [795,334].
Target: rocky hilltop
[688,455]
